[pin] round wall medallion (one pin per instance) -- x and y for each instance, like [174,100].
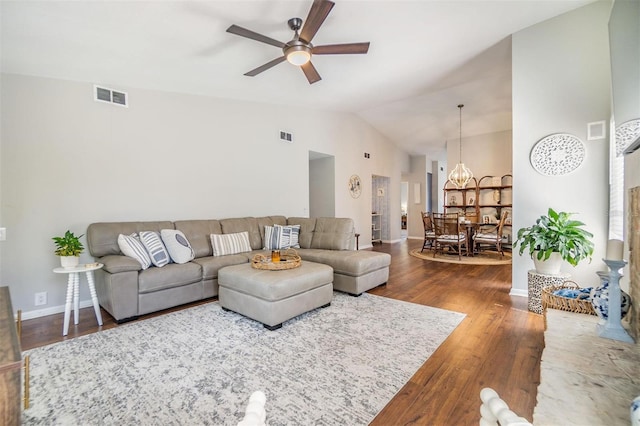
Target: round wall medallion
[626,133]
[355,186]
[557,154]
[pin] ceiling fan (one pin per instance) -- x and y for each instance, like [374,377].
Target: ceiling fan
[299,50]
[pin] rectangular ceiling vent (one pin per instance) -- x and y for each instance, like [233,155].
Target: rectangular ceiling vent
[103,94]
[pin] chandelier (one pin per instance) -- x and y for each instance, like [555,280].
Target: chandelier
[460,175]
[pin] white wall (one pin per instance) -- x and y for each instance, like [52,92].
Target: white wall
[486,155]
[561,82]
[68,161]
[419,166]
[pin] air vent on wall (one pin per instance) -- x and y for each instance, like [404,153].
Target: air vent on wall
[286,136]
[103,94]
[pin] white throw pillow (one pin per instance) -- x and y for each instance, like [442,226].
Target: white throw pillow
[131,246]
[156,249]
[224,244]
[177,245]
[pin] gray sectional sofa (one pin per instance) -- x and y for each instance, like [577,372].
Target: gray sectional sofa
[126,291]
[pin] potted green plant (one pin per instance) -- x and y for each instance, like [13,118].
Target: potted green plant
[554,238]
[68,247]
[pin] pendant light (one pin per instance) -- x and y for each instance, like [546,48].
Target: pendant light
[460,175]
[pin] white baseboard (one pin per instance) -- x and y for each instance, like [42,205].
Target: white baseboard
[415,238]
[518,292]
[392,241]
[366,246]
[53,310]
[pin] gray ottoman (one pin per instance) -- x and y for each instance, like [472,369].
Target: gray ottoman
[273,297]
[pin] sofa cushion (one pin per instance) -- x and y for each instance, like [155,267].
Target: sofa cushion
[248,224]
[198,233]
[225,244]
[307,227]
[131,246]
[102,237]
[172,275]
[178,246]
[279,237]
[353,263]
[156,249]
[333,233]
[212,264]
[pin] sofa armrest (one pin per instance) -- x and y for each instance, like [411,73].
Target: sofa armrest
[116,263]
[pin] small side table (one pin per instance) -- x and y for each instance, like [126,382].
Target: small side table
[73,285]
[535,283]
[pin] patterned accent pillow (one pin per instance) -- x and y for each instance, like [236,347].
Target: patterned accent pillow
[177,245]
[278,237]
[131,246]
[156,249]
[224,244]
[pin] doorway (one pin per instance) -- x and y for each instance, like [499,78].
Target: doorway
[322,185]
[380,223]
[404,204]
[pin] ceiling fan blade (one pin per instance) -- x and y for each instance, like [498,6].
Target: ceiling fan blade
[310,72]
[317,14]
[265,67]
[338,49]
[243,32]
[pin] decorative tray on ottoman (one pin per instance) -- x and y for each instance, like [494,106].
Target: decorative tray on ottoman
[289,259]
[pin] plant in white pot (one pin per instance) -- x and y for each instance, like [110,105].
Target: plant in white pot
[554,238]
[68,247]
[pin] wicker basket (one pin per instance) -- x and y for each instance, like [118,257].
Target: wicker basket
[550,300]
[289,259]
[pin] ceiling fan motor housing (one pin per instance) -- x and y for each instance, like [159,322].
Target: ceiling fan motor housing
[295,23]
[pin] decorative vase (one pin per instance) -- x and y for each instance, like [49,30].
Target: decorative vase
[600,298]
[69,262]
[550,266]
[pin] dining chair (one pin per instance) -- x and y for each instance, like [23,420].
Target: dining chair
[429,233]
[491,235]
[448,233]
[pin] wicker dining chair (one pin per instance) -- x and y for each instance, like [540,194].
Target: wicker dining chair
[448,233]
[429,232]
[491,235]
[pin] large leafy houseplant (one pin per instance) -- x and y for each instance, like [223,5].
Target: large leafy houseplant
[556,232]
[68,245]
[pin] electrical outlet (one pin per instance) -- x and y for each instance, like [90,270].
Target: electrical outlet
[3,234]
[41,298]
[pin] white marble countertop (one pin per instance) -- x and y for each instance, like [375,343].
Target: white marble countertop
[585,379]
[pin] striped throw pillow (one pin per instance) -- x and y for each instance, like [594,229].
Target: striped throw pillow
[224,244]
[131,246]
[156,249]
[177,245]
[278,237]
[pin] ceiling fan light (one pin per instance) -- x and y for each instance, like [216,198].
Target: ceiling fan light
[298,57]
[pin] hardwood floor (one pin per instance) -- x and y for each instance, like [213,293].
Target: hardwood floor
[498,344]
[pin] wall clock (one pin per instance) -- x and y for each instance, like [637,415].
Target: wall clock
[355,186]
[557,154]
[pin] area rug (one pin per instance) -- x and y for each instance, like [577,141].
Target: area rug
[483,258]
[334,366]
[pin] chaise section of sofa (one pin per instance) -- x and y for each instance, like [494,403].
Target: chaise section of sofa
[331,241]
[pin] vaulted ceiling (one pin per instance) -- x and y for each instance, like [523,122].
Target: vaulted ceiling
[425,58]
